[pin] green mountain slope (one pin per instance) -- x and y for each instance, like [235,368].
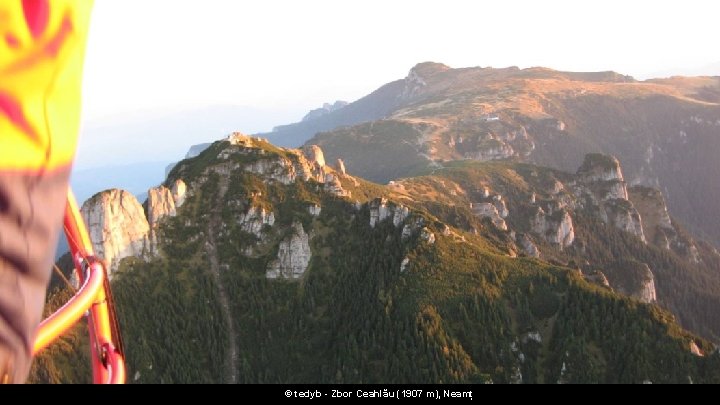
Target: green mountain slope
[685,272]
[278,268]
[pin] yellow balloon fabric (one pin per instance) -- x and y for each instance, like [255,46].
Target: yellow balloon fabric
[42,47]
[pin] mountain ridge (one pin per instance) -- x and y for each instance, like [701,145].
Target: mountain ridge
[330,278]
[553,119]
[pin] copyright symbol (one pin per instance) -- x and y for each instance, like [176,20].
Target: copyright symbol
[288,393]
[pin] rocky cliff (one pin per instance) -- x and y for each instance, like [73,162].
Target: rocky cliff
[294,255]
[601,185]
[493,207]
[117,225]
[557,227]
[381,209]
[160,204]
[120,227]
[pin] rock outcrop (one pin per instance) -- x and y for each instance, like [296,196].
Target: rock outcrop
[305,165]
[340,167]
[293,256]
[163,202]
[493,207]
[647,292]
[528,246]
[160,203]
[255,220]
[601,185]
[556,228]
[623,215]
[492,151]
[120,227]
[427,236]
[381,209]
[334,186]
[656,222]
[117,225]
[278,169]
[315,155]
[695,350]
[179,191]
[598,167]
[499,203]
[599,278]
[490,211]
[314,210]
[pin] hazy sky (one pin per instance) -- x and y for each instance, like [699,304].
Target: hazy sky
[150,55]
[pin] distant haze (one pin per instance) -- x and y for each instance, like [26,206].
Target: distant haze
[166,60]
[160,136]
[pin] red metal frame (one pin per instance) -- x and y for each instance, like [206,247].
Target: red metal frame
[91,300]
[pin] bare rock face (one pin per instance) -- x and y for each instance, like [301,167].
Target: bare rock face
[333,185]
[163,202]
[179,191]
[240,139]
[297,165]
[599,278]
[647,292]
[556,228]
[314,210]
[315,155]
[293,256]
[279,169]
[160,204]
[492,151]
[597,167]
[602,185]
[528,246]
[489,210]
[616,190]
[255,219]
[502,208]
[656,223]
[491,206]
[427,236]
[340,167]
[695,350]
[623,215]
[414,225]
[381,209]
[117,226]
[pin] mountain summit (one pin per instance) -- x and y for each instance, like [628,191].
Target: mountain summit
[664,131]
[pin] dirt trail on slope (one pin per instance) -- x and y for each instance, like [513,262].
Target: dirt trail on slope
[212,229]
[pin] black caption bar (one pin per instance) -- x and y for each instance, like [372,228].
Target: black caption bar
[373,391]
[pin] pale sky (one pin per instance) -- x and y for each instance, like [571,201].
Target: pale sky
[164,55]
